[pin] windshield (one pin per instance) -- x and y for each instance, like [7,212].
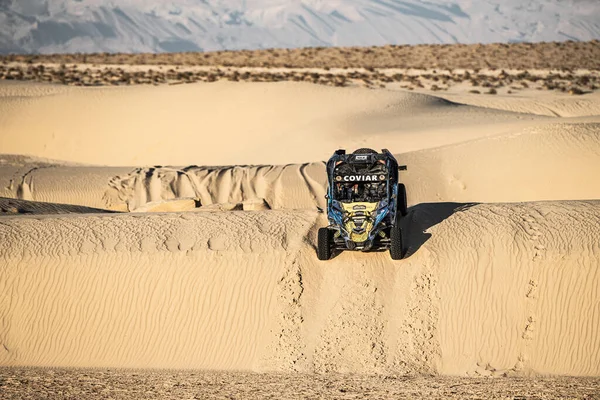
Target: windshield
[352,192]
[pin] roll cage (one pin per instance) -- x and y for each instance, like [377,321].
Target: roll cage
[362,177]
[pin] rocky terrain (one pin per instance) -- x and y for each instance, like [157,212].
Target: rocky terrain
[32,383]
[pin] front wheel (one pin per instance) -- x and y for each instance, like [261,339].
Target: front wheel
[324,243]
[396,246]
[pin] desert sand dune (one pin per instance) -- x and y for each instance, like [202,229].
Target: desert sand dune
[209,124]
[212,265]
[455,152]
[488,289]
[213,310]
[17,206]
[45,180]
[553,162]
[550,105]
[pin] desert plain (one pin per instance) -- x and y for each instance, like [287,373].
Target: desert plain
[158,219]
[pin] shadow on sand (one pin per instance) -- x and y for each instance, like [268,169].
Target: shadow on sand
[420,218]
[423,216]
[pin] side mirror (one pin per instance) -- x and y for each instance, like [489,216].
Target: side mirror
[402,168]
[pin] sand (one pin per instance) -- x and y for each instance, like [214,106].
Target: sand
[10,206]
[211,265]
[489,289]
[103,126]
[505,167]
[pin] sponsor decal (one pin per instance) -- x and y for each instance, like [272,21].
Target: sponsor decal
[359,207]
[360,178]
[361,158]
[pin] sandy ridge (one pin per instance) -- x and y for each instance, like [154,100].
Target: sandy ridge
[214,265]
[511,171]
[127,286]
[126,125]
[16,206]
[356,313]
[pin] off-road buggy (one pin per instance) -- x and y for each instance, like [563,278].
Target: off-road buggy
[365,203]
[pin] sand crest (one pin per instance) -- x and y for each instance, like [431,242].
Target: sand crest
[243,290]
[201,124]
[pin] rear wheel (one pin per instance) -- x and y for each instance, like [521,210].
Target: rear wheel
[396,246]
[402,204]
[324,243]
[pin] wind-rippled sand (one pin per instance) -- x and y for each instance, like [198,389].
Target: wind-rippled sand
[488,289]
[210,263]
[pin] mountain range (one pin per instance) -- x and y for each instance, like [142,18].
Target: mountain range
[67,26]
